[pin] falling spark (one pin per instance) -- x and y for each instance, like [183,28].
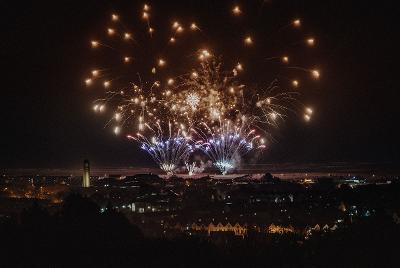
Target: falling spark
[236,10]
[94,44]
[161,62]
[114,17]
[310,41]
[248,40]
[117,116]
[193,26]
[110,31]
[175,25]
[315,74]
[285,59]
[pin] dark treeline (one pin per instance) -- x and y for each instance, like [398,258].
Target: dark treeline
[79,235]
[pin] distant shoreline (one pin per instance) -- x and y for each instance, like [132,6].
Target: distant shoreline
[284,170]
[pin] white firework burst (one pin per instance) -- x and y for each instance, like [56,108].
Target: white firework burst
[193,100]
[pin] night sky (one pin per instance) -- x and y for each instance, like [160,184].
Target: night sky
[47,120]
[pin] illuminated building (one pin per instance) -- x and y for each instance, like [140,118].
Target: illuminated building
[86,174]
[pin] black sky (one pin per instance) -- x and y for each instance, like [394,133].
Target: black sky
[46,110]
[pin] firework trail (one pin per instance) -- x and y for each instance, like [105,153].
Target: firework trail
[226,144]
[167,151]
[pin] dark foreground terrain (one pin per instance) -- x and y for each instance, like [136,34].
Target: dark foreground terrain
[80,235]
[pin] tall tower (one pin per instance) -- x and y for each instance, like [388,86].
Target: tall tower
[86,174]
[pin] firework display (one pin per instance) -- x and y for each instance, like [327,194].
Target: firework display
[206,95]
[226,143]
[194,168]
[167,150]
[198,101]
